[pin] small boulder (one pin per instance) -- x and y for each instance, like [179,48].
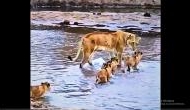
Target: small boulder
[65,22]
[98,13]
[76,23]
[147,14]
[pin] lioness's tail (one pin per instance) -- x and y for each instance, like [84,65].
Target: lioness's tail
[78,52]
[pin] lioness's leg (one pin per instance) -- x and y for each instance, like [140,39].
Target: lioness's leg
[119,55]
[85,58]
[90,58]
[125,65]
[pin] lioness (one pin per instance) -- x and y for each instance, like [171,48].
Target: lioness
[38,91]
[133,61]
[114,42]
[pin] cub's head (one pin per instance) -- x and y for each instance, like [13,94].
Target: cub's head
[104,65]
[109,63]
[46,86]
[138,54]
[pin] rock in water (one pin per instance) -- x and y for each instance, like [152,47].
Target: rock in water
[99,13]
[147,14]
[76,23]
[65,22]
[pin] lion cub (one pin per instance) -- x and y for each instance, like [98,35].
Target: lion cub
[38,91]
[133,61]
[107,70]
[114,63]
[104,74]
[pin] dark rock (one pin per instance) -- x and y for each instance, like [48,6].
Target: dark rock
[144,23]
[76,23]
[99,13]
[65,22]
[147,14]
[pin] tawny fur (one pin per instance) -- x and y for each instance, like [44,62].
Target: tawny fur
[114,42]
[133,61]
[103,76]
[39,90]
[114,63]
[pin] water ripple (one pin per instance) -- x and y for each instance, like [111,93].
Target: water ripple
[72,87]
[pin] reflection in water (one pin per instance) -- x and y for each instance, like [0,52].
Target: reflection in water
[75,88]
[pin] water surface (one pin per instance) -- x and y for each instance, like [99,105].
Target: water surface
[73,88]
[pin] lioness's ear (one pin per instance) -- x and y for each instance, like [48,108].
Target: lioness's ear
[42,83]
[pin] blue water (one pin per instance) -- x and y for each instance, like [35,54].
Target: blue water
[73,88]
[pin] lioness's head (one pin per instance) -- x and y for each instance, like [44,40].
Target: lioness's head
[129,39]
[46,86]
[132,40]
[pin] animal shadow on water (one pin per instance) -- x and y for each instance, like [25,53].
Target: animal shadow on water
[132,72]
[42,102]
[88,73]
[43,99]
[101,85]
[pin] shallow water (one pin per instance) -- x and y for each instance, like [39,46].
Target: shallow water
[73,88]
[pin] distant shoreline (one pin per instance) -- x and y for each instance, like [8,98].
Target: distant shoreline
[41,6]
[96,4]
